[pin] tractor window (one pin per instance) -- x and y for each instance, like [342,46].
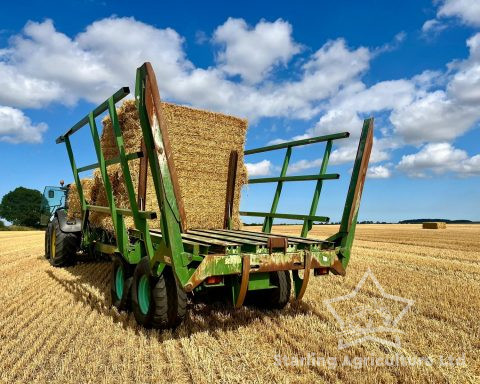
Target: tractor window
[53,198]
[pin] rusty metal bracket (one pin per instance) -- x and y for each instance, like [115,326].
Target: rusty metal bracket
[244,282]
[277,243]
[301,284]
[231,179]
[142,178]
[337,268]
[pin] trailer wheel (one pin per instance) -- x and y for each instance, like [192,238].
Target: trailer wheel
[63,246]
[274,298]
[48,234]
[158,302]
[121,282]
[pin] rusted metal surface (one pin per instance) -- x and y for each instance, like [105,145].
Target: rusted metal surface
[362,174]
[306,276]
[244,281]
[276,262]
[142,179]
[337,268]
[277,243]
[154,112]
[232,175]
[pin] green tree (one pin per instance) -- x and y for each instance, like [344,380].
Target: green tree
[22,207]
[2,224]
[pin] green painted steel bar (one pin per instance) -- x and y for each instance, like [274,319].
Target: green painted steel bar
[118,223]
[290,144]
[117,96]
[148,215]
[75,174]
[171,244]
[330,176]
[267,224]
[140,222]
[115,160]
[349,203]
[307,224]
[285,216]
[344,238]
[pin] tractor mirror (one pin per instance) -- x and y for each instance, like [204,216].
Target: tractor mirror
[51,194]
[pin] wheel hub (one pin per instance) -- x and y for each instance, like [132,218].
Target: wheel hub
[144,294]
[119,282]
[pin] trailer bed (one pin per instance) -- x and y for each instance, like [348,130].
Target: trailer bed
[225,238]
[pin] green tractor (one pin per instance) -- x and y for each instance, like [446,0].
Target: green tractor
[153,270]
[62,236]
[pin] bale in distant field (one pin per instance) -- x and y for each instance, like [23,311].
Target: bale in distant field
[201,143]
[434,225]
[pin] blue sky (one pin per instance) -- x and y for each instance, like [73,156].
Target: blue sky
[294,69]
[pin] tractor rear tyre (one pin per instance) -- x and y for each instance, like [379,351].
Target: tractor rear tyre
[63,246]
[121,283]
[158,302]
[274,298]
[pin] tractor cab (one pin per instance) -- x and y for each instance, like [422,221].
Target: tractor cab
[53,198]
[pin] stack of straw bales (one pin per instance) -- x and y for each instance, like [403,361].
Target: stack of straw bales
[73,201]
[201,143]
[434,225]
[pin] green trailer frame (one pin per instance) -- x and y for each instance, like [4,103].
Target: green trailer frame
[242,259]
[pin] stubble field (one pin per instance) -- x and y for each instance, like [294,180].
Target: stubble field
[57,325]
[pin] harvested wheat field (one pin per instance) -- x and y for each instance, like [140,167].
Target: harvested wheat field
[56,325]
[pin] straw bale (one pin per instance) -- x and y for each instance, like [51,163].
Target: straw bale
[73,201]
[434,225]
[201,143]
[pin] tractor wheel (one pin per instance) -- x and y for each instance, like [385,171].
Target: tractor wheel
[121,282]
[274,298]
[63,246]
[158,302]
[48,234]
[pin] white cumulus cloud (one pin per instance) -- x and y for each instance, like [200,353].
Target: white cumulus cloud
[252,52]
[439,158]
[16,128]
[379,172]
[262,168]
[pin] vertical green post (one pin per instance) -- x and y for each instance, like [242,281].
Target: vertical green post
[307,224]
[140,223]
[171,245]
[267,224]
[118,222]
[344,237]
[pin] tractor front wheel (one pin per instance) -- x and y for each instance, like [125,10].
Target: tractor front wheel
[158,302]
[63,246]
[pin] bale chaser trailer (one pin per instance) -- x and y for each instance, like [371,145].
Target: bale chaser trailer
[153,270]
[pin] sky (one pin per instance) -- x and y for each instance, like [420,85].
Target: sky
[293,69]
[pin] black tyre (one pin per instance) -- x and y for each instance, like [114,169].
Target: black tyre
[158,302]
[63,246]
[273,298]
[121,283]
[48,233]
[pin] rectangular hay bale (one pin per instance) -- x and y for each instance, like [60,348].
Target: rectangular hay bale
[201,142]
[434,225]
